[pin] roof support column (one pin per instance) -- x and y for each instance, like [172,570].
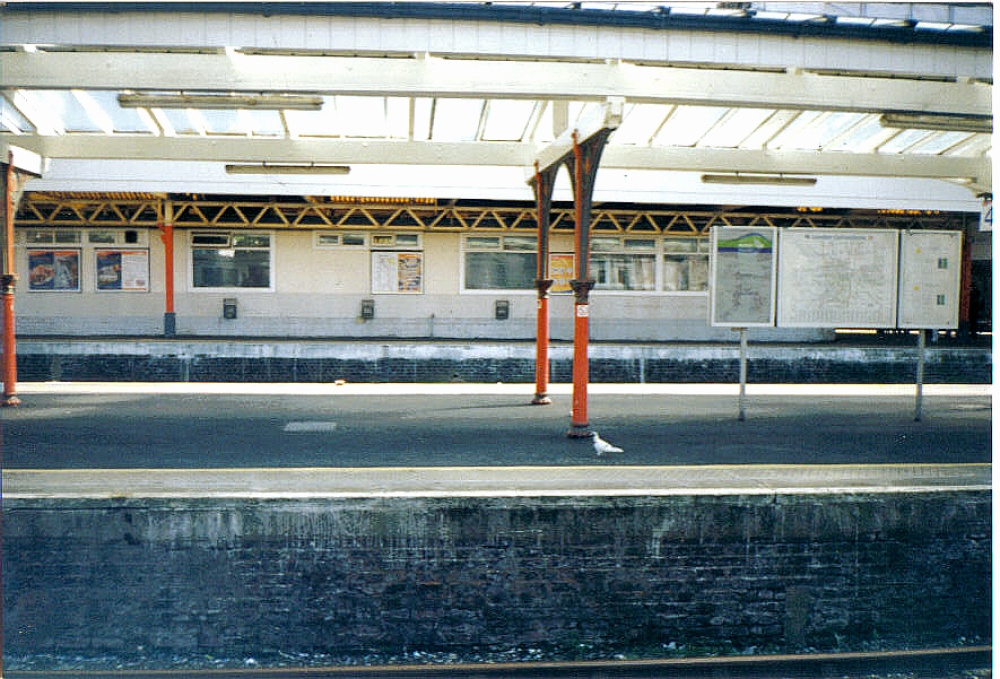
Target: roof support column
[580,150]
[583,172]
[166,228]
[542,185]
[15,175]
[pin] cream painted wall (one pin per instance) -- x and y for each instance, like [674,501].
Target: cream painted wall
[318,293]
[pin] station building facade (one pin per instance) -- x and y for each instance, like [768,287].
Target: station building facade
[97,265]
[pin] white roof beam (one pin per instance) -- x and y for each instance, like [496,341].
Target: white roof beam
[484,79]
[500,154]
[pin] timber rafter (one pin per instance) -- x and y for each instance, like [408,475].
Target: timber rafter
[147,210]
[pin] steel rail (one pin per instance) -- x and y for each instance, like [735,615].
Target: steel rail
[939,663]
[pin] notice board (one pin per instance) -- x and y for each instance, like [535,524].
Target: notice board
[744,265]
[837,278]
[930,272]
[397,272]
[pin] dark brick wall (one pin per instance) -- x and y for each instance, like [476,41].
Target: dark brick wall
[252,578]
[961,366]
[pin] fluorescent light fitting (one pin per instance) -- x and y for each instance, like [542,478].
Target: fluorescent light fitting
[287,168]
[938,122]
[259,102]
[738,178]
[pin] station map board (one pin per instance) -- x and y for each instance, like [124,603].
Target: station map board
[837,278]
[929,279]
[744,266]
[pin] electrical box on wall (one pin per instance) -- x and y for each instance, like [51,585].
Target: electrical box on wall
[501,310]
[229,308]
[367,309]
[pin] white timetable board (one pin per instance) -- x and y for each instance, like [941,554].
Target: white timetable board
[837,278]
[930,272]
[744,267]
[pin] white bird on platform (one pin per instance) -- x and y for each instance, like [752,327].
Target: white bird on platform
[602,446]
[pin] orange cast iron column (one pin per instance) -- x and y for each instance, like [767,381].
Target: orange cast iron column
[583,172]
[167,236]
[542,185]
[8,280]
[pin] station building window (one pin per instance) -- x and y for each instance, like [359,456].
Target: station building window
[231,260]
[623,264]
[685,264]
[501,262]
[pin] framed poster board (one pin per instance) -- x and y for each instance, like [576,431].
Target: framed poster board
[561,270]
[398,272]
[744,273]
[122,270]
[54,270]
[837,278]
[930,272]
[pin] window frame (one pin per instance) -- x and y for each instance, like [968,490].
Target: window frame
[230,234]
[621,248]
[702,248]
[501,239]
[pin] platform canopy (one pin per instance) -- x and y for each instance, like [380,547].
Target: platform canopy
[426,98]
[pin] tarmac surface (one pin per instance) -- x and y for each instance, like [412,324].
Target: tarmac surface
[80,426]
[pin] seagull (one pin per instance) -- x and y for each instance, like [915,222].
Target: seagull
[602,446]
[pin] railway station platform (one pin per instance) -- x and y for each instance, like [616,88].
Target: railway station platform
[198,525]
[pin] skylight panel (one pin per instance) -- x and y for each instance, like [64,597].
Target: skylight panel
[904,140]
[769,129]
[421,109]
[223,122]
[322,123]
[11,119]
[104,104]
[940,142]
[178,121]
[397,117]
[542,131]
[865,137]
[973,147]
[263,123]
[54,111]
[507,119]
[825,129]
[640,123]
[361,116]
[737,125]
[688,124]
[457,119]
[791,134]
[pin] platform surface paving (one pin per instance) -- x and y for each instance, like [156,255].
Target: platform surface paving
[277,440]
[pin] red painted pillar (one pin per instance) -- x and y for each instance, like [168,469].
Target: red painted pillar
[580,425]
[583,172]
[167,236]
[542,185]
[8,281]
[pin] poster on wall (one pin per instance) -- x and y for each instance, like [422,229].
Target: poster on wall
[123,270]
[744,266]
[57,270]
[837,278]
[930,273]
[561,271]
[397,272]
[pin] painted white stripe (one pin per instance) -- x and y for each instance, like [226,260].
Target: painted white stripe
[310,426]
[527,390]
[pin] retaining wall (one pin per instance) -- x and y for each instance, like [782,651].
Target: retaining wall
[294,361]
[243,577]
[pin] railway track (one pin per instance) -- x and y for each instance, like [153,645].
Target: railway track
[964,662]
